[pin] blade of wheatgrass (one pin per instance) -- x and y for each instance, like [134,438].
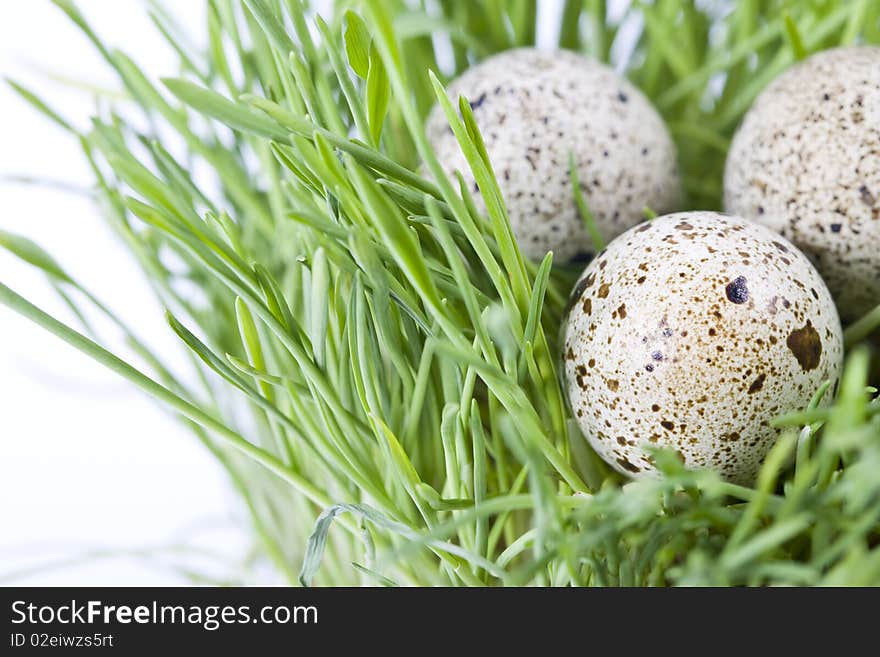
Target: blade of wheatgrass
[695,80]
[511,397]
[765,541]
[356,106]
[296,348]
[33,254]
[171,31]
[794,37]
[364,155]
[357,44]
[784,59]
[455,262]
[468,135]
[767,478]
[90,348]
[219,366]
[40,105]
[478,440]
[319,305]
[378,96]
[225,111]
[384,41]
[583,208]
[402,244]
[536,302]
[862,328]
[318,540]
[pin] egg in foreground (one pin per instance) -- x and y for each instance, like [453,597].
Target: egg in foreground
[692,332]
[535,107]
[806,163]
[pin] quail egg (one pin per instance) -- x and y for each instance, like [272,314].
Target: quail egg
[806,163]
[692,332]
[533,108]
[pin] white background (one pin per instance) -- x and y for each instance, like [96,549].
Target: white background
[90,469]
[87,463]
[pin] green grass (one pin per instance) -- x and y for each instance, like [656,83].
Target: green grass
[376,362]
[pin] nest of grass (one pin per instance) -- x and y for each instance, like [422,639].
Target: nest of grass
[377,363]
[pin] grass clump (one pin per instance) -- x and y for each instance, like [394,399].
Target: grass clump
[377,363]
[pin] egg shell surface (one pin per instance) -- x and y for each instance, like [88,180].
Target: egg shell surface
[692,332]
[533,108]
[806,163]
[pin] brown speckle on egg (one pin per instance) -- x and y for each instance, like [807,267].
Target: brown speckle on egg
[707,354]
[626,465]
[806,345]
[736,291]
[757,384]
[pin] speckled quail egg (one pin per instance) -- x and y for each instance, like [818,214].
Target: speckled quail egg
[806,163]
[692,332]
[533,108]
